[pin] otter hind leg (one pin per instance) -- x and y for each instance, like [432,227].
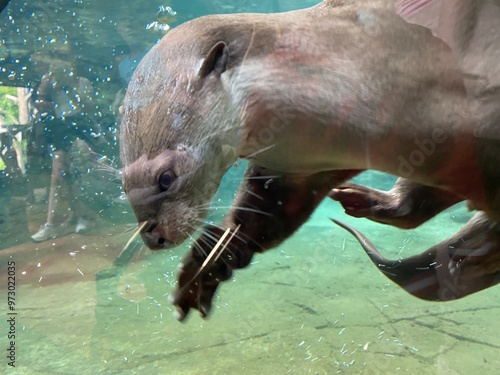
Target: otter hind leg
[407,205]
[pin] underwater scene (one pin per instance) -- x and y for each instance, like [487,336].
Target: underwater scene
[80,291]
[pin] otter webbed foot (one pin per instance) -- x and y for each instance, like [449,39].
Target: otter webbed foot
[205,267]
[196,291]
[363,202]
[407,205]
[463,264]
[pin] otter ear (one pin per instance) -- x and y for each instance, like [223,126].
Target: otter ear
[216,61]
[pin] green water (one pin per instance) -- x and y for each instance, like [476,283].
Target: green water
[315,305]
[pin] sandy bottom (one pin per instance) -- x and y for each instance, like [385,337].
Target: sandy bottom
[315,305]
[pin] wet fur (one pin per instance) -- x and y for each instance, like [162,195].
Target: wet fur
[409,204]
[199,99]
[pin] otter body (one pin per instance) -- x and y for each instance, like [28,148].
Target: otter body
[310,98]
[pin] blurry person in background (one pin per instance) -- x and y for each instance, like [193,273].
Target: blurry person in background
[64,104]
[69,110]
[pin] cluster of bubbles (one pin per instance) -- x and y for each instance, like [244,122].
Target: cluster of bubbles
[46,27]
[45,38]
[165,16]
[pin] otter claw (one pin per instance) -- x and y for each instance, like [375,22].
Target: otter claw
[204,310]
[179,315]
[184,303]
[195,290]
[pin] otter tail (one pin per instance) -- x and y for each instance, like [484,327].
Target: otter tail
[463,264]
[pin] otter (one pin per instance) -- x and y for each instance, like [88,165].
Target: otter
[310,98]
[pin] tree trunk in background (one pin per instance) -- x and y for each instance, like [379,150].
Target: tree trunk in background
[22,102]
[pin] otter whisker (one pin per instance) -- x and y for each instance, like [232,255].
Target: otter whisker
[214,249]
[248,209]
[129,228]
[207,233]
[261,177]
[115,178]
[134,236]
[206,242]
[204,205]
[211,234]
[204,264]
[259,151]
[204,229]
[254,194]
[236,208]
[199,210]
[141,249]
[217,256]
[196,245]
[110,169]
[213,206]
[106,162]
[206,222]
[214,254]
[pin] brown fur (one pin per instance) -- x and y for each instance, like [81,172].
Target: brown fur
[309,96]
[469,260]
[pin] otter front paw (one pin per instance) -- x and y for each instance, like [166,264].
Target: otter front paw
[196,288]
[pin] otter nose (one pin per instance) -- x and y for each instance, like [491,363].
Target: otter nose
[154,238]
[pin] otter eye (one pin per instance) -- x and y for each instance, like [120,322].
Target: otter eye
[166,180]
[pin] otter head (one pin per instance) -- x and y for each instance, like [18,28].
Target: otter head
[178,134]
